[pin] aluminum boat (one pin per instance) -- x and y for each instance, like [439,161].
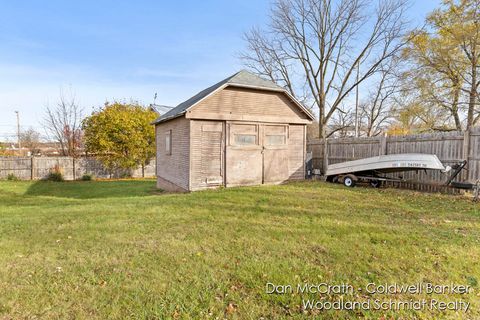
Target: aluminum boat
[389,163]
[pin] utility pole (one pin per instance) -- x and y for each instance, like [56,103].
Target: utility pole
[18,130]
[356,103]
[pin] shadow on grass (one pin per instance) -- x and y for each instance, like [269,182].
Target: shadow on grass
[93,189]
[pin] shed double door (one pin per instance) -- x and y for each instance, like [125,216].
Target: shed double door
[256,153]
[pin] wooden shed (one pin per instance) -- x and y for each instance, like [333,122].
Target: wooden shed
[244,130]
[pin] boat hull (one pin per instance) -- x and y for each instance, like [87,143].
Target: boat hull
[388,164]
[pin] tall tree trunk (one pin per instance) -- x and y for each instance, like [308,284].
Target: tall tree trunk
[473,92]
[370,130]
[321,126]
[458,123]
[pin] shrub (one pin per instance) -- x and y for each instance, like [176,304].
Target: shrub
[87,177]
[55,174]
[12,177]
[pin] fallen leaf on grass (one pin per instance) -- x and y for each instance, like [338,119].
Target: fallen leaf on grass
[231,308]
[176,314]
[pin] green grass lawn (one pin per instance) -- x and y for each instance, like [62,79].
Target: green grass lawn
[121,249]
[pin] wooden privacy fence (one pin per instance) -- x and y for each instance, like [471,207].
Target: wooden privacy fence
[36,168]
[450,147]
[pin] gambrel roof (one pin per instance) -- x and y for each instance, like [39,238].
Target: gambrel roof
[243,79]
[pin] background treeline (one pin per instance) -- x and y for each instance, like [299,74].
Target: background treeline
[362,62]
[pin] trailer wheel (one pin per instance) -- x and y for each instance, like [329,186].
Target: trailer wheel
[348,181]
[376,183]
[335,179]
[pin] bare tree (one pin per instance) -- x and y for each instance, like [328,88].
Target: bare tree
[63,123]
[342,124]
[314,47]
[30,139]
[376,111]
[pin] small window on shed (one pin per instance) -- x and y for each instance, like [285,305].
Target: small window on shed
[276,135]
[276,140]
[168,142]
[245,139]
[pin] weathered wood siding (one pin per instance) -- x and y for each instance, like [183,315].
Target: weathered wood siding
[204,157]
[243,162]
[450,147]
[210,142]
[206,152]
[233,103]
[275,153]
[174,167]
[296,152]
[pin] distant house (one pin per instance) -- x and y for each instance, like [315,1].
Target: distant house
[49,149]
[243,130]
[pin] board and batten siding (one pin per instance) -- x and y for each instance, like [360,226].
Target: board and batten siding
[234,103]
[174,167]
[296,152]
[206,152]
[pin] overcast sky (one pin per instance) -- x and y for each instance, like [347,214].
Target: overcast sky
[106,50]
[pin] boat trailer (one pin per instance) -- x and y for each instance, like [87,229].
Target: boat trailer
[376,177]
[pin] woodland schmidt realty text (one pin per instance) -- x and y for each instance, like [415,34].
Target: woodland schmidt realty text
[323,289]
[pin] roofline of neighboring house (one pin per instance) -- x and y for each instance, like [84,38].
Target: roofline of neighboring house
[294,100]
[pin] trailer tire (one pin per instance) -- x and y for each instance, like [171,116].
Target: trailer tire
[376,183]
[349,181]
